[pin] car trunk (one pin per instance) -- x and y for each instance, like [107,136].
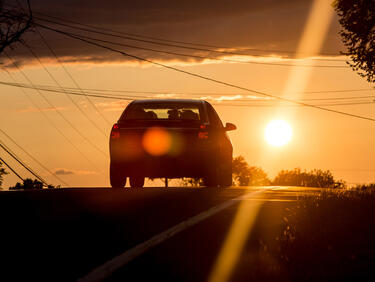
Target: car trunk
[156,148]
[170,145]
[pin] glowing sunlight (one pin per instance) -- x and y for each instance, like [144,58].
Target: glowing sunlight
[278,133]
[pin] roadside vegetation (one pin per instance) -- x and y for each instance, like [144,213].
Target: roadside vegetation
[330,236]
[28,184]
[243,175]
[327,236]
[314,178]
[247,175]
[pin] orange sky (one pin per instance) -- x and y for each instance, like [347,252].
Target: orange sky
[322,140]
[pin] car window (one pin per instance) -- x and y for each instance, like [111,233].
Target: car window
[213,116]
[162,111]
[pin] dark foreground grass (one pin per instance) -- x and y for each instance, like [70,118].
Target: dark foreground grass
[330,237]
[325,236]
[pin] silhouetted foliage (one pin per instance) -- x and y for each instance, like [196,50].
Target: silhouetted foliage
[13,24]
[2,172]
[314,178]
[28,184]
[245,175]
[329,230]
[242,175]
[192,182]
[365,187]
[357,17]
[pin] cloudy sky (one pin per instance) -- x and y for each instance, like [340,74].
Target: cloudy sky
[256,42]
[262,25]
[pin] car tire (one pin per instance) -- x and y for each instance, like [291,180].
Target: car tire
[226,176]
[116,177]
[212,178]
[137,181]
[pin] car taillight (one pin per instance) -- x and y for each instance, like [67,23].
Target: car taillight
[115,133]
[203,134]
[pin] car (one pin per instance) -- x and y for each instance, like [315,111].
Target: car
[170,138]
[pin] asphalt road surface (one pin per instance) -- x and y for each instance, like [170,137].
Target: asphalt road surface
[166,234]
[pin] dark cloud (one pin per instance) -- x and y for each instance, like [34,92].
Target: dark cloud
[266,24]
[64,171]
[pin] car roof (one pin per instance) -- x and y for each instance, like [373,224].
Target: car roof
[177,101]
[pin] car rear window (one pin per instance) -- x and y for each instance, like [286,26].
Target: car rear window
[162,111]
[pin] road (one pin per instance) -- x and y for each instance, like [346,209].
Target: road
[168,234]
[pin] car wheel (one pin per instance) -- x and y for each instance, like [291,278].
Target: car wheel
[137,181]
[116,177]
[212,178]
[226,176]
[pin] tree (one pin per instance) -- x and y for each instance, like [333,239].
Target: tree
[2,172]
[314,178]
[242,175]
[28,184]
[13,24]
[357,18]
[245,175]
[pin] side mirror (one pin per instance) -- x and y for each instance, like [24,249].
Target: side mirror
[230,126]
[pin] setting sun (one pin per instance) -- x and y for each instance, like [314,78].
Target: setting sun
[278,133]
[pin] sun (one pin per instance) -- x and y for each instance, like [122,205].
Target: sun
[278,133]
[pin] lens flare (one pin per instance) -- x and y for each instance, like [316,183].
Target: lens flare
[157,141]
[237,236]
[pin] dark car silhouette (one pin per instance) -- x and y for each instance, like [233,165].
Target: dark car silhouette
[170,138]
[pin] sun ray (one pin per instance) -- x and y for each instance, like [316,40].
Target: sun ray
[238,233]
[312,39]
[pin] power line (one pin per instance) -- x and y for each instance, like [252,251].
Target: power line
[127,98]
[2,160]
[58,112]
[64,20]
[209,78]
[186,55]
[67,95]
[69,74]
[33,158]
[224,102]
[338,98]
[315,105]
[168,92]
[51,122]
[14,156]
[338,91]
[206,57]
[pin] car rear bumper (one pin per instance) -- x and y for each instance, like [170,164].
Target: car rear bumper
[194,163]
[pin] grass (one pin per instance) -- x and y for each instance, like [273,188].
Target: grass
[326,236]
[330,236]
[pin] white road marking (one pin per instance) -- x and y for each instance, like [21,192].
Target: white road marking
[105,270]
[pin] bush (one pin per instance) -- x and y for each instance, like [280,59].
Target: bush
[28,184]
[242,175]
[314,178]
